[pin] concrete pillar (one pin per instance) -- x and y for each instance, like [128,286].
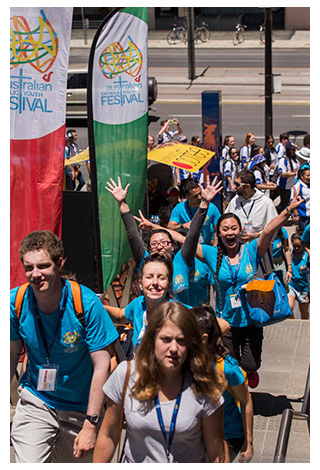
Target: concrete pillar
[297,18]
[151,18]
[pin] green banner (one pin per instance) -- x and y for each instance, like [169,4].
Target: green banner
[118,129]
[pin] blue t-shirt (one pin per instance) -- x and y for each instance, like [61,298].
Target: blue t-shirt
[238,316]
[300,270]
[70,346]
[190,283]
[135,312]
[233,426]
[183,213]
[277,247]
[305,237]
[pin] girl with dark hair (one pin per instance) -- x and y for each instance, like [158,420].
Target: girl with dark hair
[272,159]
[233,265]
[228,143]
[238,407]
[173,402]
[299,288]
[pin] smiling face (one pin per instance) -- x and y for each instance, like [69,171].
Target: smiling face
[305,177]
[155,281]
[41,272]
[171,348]
[161,242]
[229,233]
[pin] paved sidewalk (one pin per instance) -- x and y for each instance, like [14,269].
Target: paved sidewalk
[283,374]
[219,39]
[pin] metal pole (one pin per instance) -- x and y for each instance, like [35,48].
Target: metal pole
[84,27]
[283,437]
[268,71]
[191,52]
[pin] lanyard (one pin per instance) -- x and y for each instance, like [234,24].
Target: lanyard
[172,424]
[40,324]
[234,276]
[247,215]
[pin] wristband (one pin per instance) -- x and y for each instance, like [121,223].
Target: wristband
[289,211]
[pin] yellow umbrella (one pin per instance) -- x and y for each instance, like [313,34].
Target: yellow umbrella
[79,158]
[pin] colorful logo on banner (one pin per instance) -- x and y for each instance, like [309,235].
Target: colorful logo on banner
[37,47]
[35,51]
[123,64]
[115,60]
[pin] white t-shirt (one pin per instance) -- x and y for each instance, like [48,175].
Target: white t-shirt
[145,442]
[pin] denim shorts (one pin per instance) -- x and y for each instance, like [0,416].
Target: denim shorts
[299,296]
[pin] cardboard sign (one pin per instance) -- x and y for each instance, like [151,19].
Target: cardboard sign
[186,157]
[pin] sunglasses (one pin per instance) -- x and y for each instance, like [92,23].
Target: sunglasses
[239,184]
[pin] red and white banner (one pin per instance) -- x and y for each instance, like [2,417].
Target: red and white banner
[39,57]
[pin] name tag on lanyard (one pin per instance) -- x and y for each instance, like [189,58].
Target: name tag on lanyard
[235,300]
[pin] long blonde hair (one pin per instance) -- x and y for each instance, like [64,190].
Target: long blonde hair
[198,362]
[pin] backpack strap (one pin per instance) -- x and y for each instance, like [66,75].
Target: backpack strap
[77,301]
[76,295]
[220,366]
[19,299]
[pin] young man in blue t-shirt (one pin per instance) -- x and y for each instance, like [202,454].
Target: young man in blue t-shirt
[60,393]
[183,213]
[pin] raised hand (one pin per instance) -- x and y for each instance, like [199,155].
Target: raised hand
[145,224]
[117,190]
[210,191]
[296,200]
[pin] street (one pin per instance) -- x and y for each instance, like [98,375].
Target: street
[238,75]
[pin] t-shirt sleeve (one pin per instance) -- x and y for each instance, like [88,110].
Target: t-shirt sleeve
[233,373]
[113,387]
[216,215]
[129,309]
[100,331]
[209,408]
[14,324]
[209,254]
[257,174]
[282,166]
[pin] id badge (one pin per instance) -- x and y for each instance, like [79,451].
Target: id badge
[47,378]
[235,301]
[247,227]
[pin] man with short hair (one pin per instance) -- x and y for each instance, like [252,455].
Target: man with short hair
[254,209]
[281,147]
[183,213]
[164,134]
[60,393]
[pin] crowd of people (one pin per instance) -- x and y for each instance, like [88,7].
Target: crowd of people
[195,350]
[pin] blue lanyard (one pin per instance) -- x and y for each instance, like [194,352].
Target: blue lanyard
[247,215]
[40,324]
[234,276]
[172,424]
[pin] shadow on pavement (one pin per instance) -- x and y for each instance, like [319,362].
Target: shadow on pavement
[265,404]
